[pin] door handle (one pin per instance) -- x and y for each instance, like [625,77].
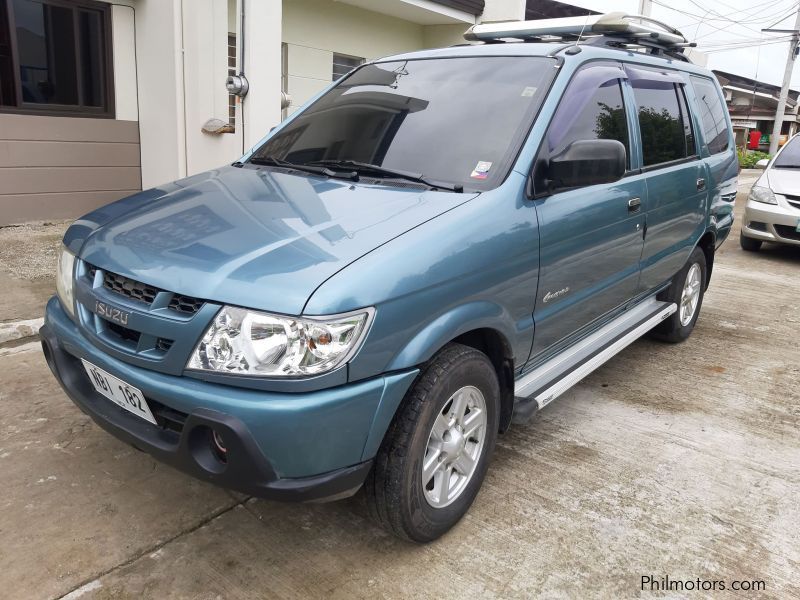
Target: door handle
[634,204]
[701,184]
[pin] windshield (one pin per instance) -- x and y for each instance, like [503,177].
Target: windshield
[789,158]
[452,120]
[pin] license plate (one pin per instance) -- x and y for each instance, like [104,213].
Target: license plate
[119,392]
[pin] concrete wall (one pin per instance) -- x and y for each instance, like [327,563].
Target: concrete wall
[262,106]
[60,167]
[504,10]
[124,55]
[315,29]
[161,100]
[441,36]
[205,67]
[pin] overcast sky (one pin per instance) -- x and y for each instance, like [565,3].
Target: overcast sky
[716,24]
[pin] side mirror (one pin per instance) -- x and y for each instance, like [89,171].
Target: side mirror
[587,162]
[762,164]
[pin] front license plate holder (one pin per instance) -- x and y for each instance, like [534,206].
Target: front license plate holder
[119,392]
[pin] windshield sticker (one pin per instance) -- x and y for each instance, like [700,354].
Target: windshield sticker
[481,170]
[529,92]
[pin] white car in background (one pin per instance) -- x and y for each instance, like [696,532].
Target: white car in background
[772,213]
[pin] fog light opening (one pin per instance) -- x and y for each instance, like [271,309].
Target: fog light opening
[218,446]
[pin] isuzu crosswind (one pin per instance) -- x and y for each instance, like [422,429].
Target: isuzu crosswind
[438,245]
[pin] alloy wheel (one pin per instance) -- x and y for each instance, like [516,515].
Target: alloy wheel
[690,297]
[455,444]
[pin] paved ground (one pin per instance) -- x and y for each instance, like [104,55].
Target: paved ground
[679,461]
[28,256]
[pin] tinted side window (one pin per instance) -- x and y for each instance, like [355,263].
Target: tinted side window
[712,115]
[789,157]
[661,121]
[686,120]
[601,118]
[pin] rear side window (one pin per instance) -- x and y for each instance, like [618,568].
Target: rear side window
[663,120]
[712,115]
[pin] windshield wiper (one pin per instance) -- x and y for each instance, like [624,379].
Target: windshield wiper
[361,167]
[271,161]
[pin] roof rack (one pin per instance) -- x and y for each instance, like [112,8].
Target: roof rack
[616,29]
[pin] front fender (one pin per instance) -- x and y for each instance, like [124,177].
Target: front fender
[448,326]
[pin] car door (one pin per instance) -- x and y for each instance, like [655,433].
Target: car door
[590,237]
[677,186]
[718,151]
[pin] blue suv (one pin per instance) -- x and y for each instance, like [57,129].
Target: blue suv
[438,245]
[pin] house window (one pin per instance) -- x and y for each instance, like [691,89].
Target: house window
[343,64]
[232,71]
[55,57]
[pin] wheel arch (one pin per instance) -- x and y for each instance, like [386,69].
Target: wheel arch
[485,326]
[494,345]
[707,243]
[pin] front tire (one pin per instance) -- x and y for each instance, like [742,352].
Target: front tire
[687,291]
[435,454]
[749,244]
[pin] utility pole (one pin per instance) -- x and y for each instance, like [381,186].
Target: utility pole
[646,7]
[787,78]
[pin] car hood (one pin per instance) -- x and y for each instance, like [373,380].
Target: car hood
[254,237]
[783,181]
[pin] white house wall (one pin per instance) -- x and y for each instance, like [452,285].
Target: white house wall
[503,10]
[124,53]
[441,36]
[205,67]
[314,29]
[161,102]
[262,106]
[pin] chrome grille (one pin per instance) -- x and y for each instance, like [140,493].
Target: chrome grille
[793,200]
[142,292]
[185,304]
[129,288]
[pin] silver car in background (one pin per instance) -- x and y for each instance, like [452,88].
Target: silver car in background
[772,213]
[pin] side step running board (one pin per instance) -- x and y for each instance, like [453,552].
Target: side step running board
[535,390]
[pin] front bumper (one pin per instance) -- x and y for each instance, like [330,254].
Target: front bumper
[771,222]
[304,446]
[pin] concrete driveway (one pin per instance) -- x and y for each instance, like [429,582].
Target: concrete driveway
[670,461]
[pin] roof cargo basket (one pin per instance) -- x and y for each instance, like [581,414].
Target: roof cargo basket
[616,29]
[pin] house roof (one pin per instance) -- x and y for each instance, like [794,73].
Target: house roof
[550,9]
[473,7]
[534,9]
[749,84]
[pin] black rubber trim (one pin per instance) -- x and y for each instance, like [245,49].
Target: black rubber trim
[245,469]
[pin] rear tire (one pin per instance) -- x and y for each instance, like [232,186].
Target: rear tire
[687,291]
[444,432]
[749,244]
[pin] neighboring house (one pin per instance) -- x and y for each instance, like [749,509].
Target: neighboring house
[752,105]
[100,99]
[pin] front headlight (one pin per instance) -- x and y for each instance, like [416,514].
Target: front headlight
[762,194]
[250,342]
[64,280]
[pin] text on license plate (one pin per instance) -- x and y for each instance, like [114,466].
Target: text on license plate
[119,392]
